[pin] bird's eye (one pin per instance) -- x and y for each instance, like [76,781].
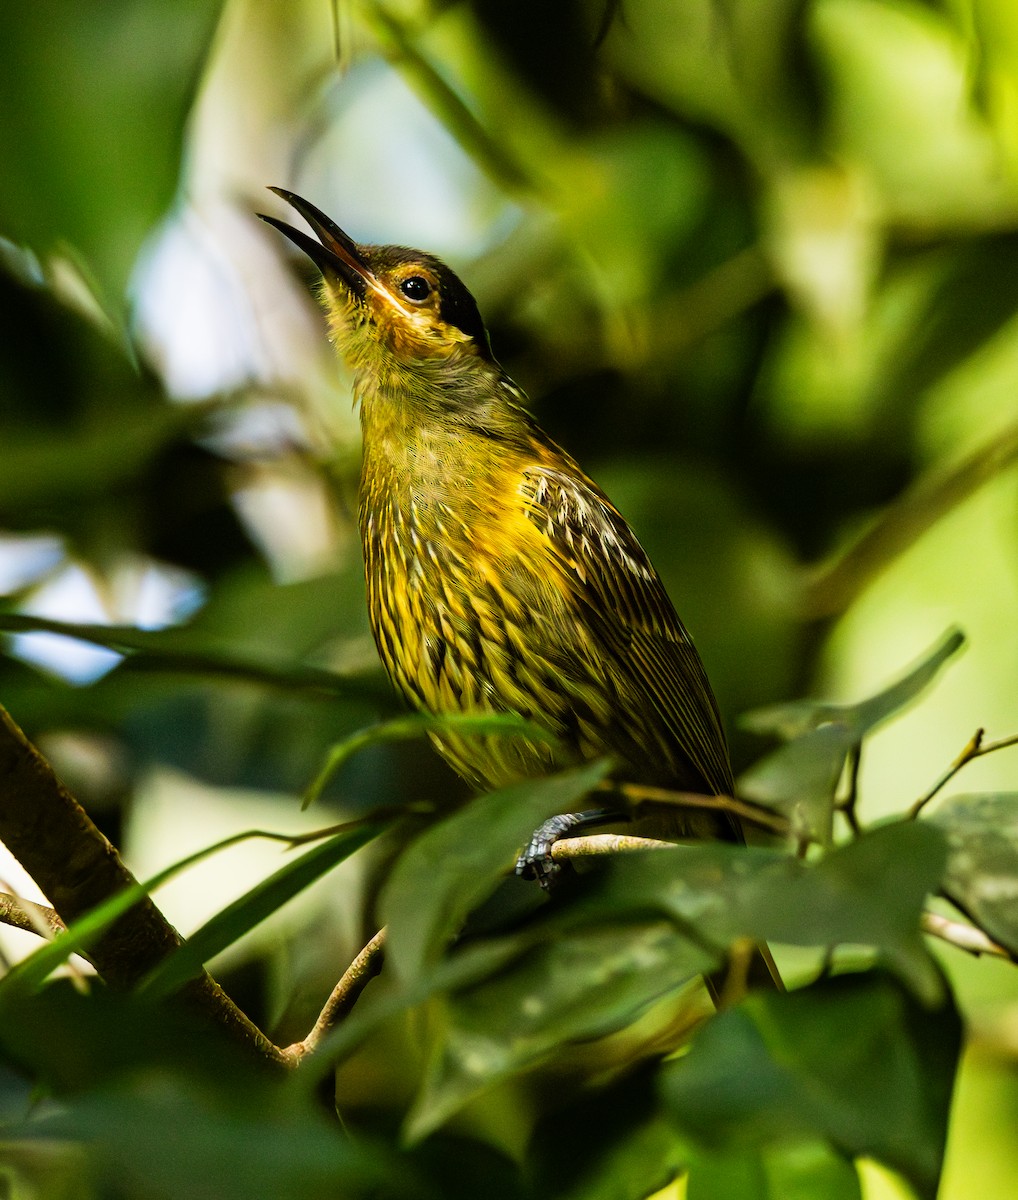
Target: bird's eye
[416,288]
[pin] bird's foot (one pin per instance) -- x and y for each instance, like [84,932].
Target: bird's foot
[536,861]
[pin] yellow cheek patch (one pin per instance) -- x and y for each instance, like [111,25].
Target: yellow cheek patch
[418,334]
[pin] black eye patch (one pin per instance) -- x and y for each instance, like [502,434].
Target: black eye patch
[459,308]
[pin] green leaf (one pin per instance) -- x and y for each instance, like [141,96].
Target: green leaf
[800,716]
[577,986]
[593,965]
[161,1135]
[641,189]
[852,1060]
[735,1176]
[982,864]
[609,1143]
[89,148]
[808,1171]
[800,778]
[867,714]
[85,464]
[249,910]
[457,863]
[869,892]
[973,295]
[167,1105]
[186,650]
[415,725]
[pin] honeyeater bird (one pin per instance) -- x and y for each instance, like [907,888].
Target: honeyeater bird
[500,578]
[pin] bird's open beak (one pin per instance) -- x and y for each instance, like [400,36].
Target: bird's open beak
[335,254]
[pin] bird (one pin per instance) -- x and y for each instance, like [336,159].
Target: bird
[500,578]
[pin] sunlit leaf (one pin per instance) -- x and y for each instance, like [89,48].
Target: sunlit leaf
[582,973]
[796,1171]
[799,717]
[800,778]
[869,892]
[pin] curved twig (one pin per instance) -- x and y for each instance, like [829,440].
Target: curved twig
[344,995]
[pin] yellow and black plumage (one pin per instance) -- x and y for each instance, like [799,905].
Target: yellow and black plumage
[499,576]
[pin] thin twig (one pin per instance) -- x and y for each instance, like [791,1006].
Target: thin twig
[736,981]
[756,814]
[975,748]
[965,937]
[29,916]
[361,971]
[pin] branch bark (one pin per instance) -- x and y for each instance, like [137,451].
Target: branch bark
[29,916]
[77,868]
[344,996]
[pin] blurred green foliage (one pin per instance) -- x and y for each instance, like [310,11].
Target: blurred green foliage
[754,261]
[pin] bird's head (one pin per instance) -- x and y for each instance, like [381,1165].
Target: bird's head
[389,307]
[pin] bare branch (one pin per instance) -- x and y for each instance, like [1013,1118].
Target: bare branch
[605,843]
[29,916]
[975,748]
[355,979]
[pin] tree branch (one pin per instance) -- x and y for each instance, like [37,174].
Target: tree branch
[605,843]
[54,839]
[29,916]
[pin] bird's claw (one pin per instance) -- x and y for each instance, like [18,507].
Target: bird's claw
[536,861]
